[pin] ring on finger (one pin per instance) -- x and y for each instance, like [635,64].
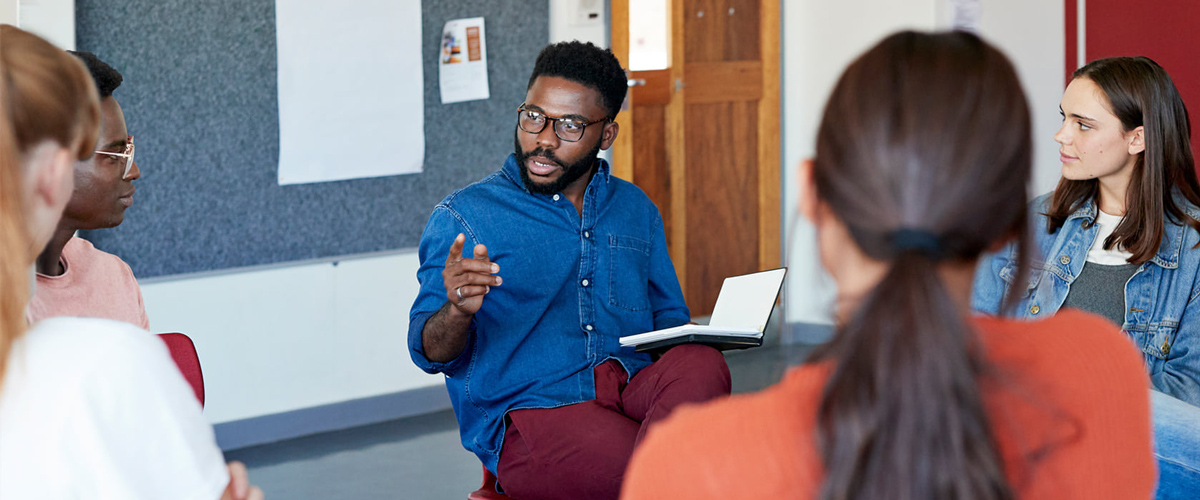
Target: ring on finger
[458,291]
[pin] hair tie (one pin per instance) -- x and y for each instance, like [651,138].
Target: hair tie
[916,240]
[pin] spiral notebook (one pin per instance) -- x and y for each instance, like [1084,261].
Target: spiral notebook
[738,320]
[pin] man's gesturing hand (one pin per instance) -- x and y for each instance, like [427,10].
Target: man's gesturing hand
[468,280]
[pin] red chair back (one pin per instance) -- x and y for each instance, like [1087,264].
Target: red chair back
[183,351]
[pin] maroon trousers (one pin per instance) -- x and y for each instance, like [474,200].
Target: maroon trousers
[580,451]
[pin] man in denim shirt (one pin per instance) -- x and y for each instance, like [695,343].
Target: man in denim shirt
[566,259]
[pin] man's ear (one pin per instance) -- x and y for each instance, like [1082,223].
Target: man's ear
[609,135]
[1138,142]
[808,202]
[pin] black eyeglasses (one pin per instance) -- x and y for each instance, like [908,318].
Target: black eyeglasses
[567,129]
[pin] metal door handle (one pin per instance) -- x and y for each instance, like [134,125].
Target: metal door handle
[636,82]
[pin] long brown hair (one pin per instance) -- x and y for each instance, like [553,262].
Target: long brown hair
[1141,94]
[45,94]
[924,152]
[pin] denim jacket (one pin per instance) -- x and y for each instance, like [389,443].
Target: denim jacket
[1162,316]
[572,287]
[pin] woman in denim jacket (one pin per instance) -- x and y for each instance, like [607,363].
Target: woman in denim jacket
[1118,237]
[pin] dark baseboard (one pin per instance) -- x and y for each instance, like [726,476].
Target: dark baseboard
[331,417]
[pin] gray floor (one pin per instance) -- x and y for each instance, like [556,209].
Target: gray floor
[421,457]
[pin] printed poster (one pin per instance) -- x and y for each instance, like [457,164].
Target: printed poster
[462,61]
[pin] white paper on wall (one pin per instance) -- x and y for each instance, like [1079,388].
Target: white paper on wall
[351,89]
[462,61]
[967,14]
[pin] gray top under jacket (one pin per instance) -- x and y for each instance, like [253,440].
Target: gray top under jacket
[1100,289]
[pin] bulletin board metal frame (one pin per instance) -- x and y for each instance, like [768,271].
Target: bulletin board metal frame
[199,94]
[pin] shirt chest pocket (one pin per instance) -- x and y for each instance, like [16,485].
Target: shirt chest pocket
[1009,274]
[629,269]
[1159,338]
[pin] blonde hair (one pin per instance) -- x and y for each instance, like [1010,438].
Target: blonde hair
[45,94]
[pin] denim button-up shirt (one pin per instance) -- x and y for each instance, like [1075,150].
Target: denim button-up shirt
[572,286]
[1162,316]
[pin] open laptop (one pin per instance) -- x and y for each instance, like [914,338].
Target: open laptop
[738,320]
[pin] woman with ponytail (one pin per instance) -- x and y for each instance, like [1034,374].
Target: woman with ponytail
[922,159]
[89,408]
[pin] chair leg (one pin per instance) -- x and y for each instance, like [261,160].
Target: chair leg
[487,491]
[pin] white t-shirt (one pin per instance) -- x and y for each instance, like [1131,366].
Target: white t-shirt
[1116,256]
[96,409]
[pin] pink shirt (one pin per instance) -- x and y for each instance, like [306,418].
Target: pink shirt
[94,284]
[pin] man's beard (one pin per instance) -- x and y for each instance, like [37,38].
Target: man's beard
[570,173]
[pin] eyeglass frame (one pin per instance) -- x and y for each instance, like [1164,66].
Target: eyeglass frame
[548,118]
[128,155]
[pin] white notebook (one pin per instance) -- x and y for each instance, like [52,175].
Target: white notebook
[743,308]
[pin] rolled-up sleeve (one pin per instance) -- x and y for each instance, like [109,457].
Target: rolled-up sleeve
[444,225]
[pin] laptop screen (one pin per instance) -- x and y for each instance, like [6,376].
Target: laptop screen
[746,301]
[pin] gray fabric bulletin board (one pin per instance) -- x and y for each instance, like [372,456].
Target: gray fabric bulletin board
[200,97]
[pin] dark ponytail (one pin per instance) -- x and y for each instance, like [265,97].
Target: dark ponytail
[923,152]
[902,416]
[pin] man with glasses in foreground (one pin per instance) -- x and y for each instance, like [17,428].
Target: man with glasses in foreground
[74,278]
[563,260]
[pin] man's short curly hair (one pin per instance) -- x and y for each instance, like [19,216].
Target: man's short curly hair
[588,65]
[107,79]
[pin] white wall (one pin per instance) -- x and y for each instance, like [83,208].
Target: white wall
[821,38]
[569,20]
[1031,33]
[10,11]
[292,337]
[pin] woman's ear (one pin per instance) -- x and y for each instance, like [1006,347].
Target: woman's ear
[808,191]
[49,180]
[1137,142]
[51,174]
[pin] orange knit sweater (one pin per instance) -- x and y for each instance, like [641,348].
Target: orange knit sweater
[1073,384]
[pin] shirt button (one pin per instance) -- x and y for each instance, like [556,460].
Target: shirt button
[588,327]
[556,197]
[1166,348]
[587,234]
[586,282]
[1035,309]
[1065,260]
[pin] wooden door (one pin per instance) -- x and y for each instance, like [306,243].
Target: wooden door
[702,139]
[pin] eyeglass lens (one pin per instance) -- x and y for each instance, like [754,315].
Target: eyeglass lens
[129,161]
[534,122]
